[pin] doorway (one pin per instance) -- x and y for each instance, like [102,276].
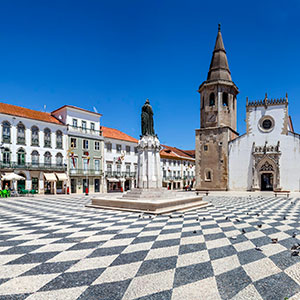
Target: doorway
[97,185]
[73,185]
[267,182]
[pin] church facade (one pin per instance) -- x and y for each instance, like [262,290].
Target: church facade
[264,158]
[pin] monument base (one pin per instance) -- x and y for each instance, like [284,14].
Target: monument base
[152,201]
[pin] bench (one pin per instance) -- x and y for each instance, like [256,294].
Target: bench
[287,193]
[206,192]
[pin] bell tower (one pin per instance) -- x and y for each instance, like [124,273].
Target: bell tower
[218,92]
[218,122]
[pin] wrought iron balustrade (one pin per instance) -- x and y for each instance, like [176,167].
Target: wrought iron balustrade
[32,166]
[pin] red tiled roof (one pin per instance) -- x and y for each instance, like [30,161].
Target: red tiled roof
[117,134]
[174,152]
[19,111]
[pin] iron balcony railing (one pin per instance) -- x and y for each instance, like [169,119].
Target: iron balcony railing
[167,178]
[120,174]
[32,166]
[84,172]
[21,140]
[85,130]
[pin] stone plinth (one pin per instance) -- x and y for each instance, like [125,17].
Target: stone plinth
[149,170]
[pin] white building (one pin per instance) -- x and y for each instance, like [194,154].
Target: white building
[33,144]
[85,148]
[178,167]
[120,152]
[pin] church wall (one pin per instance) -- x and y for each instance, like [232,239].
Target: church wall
[240,149]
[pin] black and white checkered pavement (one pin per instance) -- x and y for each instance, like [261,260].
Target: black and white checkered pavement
[55,248]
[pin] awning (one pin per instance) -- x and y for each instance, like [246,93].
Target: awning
[113,180]
[12,176]
[62,176]
[50,176]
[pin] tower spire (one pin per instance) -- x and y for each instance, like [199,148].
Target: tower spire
[219,69]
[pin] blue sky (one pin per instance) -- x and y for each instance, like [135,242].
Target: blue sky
[115,54]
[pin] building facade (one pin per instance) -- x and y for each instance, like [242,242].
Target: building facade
[264,158]
[33,145]
[85,149]
[120,153]
[178,167]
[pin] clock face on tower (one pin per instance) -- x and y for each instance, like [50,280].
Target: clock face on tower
[211,118]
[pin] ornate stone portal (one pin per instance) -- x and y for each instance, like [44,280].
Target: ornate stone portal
[266,161]
[149,196]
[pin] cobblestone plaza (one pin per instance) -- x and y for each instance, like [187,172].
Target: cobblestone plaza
[55,248]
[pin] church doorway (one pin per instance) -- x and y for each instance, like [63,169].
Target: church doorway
[267,182]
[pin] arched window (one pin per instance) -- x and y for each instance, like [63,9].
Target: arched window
[21,157]
[6,132]
[212,99]
[6,156]
[21,134]
[225,99]
[47,158]
[59,142]
[35,157]
[59,159]
[34,136]
[47,138]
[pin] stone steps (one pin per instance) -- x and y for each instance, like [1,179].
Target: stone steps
[149,205]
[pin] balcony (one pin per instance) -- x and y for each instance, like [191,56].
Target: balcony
[34,142]
[21,140]
[32,166]
[84,130]
[83,172]
[47,143]
[120,174]
[6,139]
[171,178]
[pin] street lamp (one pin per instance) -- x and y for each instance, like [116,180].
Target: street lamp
[2,151]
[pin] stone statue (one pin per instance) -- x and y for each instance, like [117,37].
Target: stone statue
[147,119]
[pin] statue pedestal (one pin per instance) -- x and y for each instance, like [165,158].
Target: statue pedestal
[149,170]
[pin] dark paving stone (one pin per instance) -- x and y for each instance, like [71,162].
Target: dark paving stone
[165,295]
[157,265]
[220,252]
[229,228]
[106,291]
[189,274]
[261,241]
[232,282]
[12,243]
[125,236]
[68,240]
[278,286]
[209,226]
[56,235]
[4,237]
[174,230]
[86,245]
[214,236]
[248,256]
[284,259]
[188,248]
[107,251]
[269,231]
[14,297]
[144,239]
[48,268]
[33,258]
[191,233]
[73,279]
[20,250]
[128,258]
[288,243]
[166,243]
[108,232]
